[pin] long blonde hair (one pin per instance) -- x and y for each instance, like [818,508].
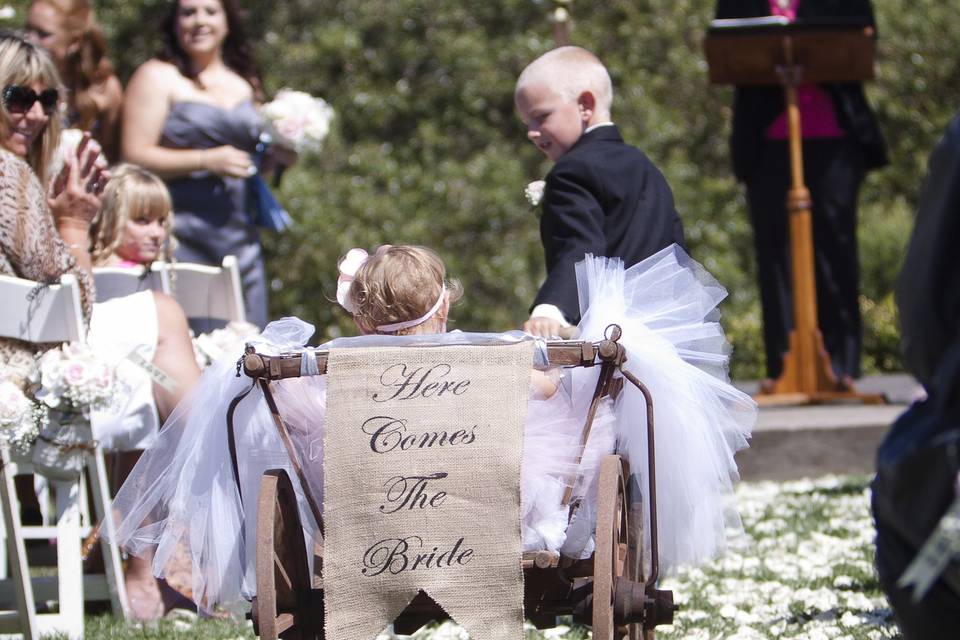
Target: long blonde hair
[131,191]
[398,284]
[24,63]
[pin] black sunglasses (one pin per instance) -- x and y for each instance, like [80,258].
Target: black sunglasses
[19,99]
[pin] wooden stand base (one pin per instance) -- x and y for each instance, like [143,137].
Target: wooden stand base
[811,383]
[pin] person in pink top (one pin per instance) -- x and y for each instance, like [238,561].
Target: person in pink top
[841,141]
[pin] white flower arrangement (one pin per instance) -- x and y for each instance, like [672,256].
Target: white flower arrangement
[73,378]
[534,192]
[296,120]
[20,417]
[209,347]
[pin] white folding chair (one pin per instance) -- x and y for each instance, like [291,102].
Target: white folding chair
[37,312]
[207,292]
[116,282]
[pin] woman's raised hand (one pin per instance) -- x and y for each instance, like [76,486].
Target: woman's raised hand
[75,195]
[227,161]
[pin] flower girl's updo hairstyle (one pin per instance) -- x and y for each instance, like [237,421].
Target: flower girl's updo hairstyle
[131,191]
[398,290]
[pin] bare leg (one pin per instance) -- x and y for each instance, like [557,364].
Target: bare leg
[174,357]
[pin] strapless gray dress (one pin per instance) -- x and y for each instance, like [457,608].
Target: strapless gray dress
[210,211]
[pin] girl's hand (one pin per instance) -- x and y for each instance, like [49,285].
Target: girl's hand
[227,161]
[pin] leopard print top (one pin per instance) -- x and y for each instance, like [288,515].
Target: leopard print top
[31,248]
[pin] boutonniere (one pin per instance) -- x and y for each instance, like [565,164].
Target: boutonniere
[534,192]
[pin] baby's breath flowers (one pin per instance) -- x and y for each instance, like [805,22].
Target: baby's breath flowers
[534,192]
[20,417]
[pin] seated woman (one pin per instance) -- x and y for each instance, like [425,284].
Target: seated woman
[183,494]
[44,230]
[132,230]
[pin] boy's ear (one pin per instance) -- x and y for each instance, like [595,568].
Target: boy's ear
[587,103]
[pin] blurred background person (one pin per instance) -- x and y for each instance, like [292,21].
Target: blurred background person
[918,462]
[190,116]
[69,32]
[841,141]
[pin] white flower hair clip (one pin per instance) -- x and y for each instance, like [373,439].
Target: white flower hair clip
[348,268]
[534,192]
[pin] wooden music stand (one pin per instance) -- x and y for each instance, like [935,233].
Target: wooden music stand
[773,51]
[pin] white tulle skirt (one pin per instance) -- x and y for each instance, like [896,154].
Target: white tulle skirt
[182,497]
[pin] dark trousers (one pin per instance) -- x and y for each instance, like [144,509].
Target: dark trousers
[833,171]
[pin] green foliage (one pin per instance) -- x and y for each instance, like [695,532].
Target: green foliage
[426,147]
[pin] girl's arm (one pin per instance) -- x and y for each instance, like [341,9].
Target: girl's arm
[145,109]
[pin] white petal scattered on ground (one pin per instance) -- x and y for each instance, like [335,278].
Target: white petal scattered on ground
[800,569]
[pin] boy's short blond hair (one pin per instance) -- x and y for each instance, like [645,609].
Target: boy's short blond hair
[570,71]
[131,191]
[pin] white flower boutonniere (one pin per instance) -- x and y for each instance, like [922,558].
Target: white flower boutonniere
[534,192]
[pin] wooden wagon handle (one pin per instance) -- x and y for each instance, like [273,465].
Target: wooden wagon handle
[576,353]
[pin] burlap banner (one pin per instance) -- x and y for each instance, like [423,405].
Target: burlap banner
[422,486]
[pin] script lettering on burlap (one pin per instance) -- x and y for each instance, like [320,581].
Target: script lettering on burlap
[422,486]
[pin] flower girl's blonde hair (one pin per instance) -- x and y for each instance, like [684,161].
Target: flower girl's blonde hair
[131,191]
[397,285]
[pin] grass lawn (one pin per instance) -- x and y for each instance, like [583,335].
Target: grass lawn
[801,569]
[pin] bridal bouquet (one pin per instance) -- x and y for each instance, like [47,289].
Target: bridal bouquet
[72,378]
[20,417]
[296,120]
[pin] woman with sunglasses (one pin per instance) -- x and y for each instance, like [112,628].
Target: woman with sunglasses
[44,233]
[69,32]
[190,116]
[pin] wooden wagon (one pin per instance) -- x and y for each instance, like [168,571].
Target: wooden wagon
[614,591]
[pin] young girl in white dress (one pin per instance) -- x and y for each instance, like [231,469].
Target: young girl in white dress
[183,493]
[131,230]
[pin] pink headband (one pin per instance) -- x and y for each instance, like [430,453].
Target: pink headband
[348,268]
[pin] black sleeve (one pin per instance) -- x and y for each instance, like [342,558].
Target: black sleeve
[572,226]
[928,288]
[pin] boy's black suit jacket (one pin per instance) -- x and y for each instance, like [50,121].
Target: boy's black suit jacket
[755,108]
[603,197]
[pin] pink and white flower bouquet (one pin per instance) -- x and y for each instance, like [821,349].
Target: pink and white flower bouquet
[297,121]
[20,417]
[72,378]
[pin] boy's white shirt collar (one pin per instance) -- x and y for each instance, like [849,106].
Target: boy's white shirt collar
[608,123]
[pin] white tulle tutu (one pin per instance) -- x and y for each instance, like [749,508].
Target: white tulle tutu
[182,497]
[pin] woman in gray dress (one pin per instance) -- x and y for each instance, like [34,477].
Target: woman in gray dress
[190,116]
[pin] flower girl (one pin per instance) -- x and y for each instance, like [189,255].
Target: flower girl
[183,493]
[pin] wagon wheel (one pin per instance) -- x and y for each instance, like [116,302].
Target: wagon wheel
[282,576]
[608,559]
[634,566]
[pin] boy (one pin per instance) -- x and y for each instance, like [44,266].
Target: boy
[602,196]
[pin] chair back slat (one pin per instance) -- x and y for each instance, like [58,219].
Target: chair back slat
[38,312]
[207,292]
[116,282]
